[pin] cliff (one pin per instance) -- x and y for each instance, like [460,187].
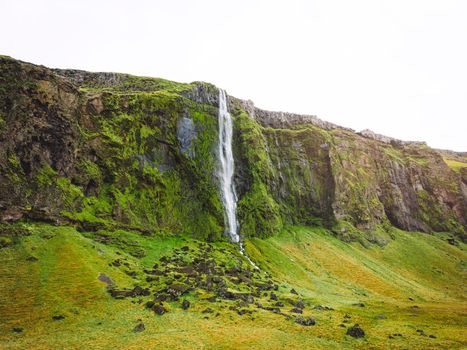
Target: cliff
[115,150]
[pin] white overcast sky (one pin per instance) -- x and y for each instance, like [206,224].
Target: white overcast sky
[397,67]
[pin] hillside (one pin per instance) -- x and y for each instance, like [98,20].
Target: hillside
[414,284]
[111,219]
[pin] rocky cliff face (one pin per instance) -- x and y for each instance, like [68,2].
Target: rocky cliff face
[107,149]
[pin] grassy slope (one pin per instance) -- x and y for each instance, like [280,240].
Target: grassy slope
[323,269]
[455,164]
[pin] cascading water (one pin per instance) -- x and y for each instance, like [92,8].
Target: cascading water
[226,171]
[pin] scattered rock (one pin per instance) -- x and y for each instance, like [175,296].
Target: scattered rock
[300,304]
[104,278]
[359,304]
[177,289]
[207,311]
[139,328]
[243,311]
[356,331]
[159,309]
[58,317]
[453,242]
[296,310]
[305,321]
[185,304]
[246,297]
[149,304]
[293,291]
[381,316]
[322,308]
[279,304]
[276,310]
[273,296]
[131,274]
[432,336]
[17,330]
[32,259]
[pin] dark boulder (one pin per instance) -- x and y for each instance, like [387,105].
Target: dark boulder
[139,291]
[104,278]
[226,294]
[356,331]
[159,309]
[139,328]
[131,274]
[246,297]
[177,289]
[185,304]
[305,321]
[149,304]
[300,304]
[296,310]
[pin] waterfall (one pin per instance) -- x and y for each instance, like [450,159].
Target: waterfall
[226,171]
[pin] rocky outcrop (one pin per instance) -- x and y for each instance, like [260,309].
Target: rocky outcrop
[389,140]
[285,119]
[110,149]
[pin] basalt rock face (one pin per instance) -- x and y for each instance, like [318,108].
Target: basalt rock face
[108,149]
[108,156]
[322,170]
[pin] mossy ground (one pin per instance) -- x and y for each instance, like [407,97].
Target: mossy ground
[455,164]
[324,270]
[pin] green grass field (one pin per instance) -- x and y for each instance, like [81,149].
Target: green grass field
[322,269]
[455,164]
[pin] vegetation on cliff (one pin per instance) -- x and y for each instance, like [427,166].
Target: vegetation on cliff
[111,223]
[115,150]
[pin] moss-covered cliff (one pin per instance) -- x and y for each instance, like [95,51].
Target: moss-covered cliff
[107,149]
